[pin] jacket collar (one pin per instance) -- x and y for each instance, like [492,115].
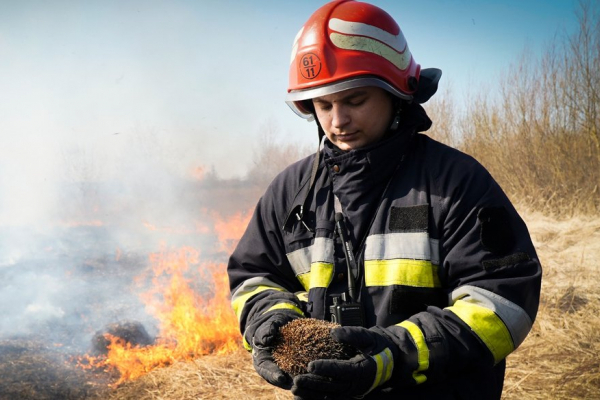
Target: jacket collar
[413,119]
[381,156]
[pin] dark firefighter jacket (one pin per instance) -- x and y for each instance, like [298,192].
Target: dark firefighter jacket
[446,264]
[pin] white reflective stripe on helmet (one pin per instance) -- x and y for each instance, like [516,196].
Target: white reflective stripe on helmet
[364,37]
[397,42]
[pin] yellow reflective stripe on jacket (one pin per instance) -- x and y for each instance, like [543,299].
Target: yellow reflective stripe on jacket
[418,273]
[248,289]
[320,251]
[278,306]
[304,280]
[302,296]
[487,325]
[320,276]
[285,306]
[422,349]
[385,367]
[402,258]
[239,303]
[313,265]
[515,318]
[246,344]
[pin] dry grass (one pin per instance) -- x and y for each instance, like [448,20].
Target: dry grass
[210,377]
[560,359]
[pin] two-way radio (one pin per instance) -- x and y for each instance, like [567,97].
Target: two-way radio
[346,309]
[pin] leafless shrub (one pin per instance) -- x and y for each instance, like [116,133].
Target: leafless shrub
[442,111]
[272,154]
[541,141]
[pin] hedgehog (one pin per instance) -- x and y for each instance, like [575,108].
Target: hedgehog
[304,340]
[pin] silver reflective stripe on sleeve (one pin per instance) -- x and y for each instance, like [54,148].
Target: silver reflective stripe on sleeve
[300,260]
[517,321]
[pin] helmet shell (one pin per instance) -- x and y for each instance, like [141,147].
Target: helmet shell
[347,44]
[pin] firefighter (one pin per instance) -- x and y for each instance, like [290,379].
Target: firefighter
[438,269]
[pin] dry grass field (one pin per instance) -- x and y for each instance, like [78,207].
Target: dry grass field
[539,138]
[560,359]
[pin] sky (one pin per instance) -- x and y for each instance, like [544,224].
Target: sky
[86,85]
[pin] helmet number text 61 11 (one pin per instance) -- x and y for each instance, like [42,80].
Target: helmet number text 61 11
[310,66]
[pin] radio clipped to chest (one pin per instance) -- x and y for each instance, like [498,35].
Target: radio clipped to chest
[346,309]
[346,312]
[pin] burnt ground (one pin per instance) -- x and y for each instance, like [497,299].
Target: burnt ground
[32,369]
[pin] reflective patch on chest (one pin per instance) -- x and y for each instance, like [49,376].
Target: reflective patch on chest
[409,219]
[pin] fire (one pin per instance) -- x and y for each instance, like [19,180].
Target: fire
[198,318]
[231,229]
[194,321]
[190,299]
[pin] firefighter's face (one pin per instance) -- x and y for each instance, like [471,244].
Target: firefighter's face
[355,118]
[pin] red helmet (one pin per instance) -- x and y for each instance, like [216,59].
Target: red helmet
[347,44]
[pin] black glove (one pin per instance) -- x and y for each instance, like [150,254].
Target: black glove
[261,334]
[345,379]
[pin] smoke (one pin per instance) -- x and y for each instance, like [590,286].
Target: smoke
[59,284]
[75,237]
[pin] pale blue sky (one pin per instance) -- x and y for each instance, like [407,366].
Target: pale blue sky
[204,76]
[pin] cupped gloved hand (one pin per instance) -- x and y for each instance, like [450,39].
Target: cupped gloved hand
[262,334]
[353,378]
[268,369]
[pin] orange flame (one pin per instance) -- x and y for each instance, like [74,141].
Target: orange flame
[190,299]
[231,229]
[191,324]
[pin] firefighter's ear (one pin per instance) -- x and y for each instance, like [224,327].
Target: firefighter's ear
[496,233]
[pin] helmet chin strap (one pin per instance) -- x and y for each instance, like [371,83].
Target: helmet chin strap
[394,125]
[300,214]
[395,122]
[397,106]
[320,131]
